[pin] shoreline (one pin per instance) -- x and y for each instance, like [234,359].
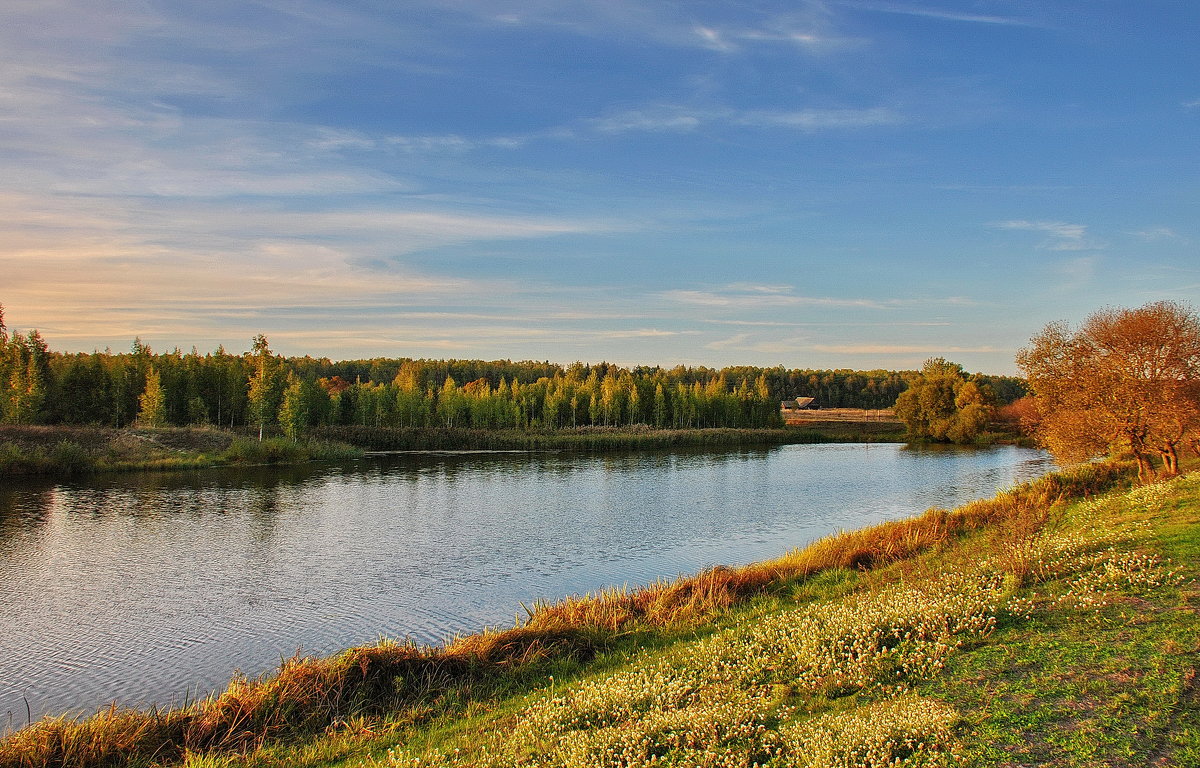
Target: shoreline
[297,698]
[55,451]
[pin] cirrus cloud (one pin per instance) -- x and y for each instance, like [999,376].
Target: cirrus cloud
[1061,236]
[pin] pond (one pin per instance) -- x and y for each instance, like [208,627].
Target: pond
[150,588]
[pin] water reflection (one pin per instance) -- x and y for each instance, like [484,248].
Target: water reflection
[140,587]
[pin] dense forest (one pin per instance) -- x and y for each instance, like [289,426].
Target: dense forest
[260,388]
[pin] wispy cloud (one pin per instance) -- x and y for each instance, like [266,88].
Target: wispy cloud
[1078,272]
[812,35]
[714,39]
[1061,235]
[941,14]
[898,349]
[1157,234]
[70,260]
[842,324]
[653,119]
[740,296]
[682,118]
[733,342]
[823,119]
[807,26]
[745,344]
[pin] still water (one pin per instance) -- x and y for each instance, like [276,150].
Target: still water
[149,588]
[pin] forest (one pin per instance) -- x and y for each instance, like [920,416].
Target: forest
[259,388]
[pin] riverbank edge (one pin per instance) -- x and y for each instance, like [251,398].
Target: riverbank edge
[64,451]
[404,682]
[52,451]
[634,437]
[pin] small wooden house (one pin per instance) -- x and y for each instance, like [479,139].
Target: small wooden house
[798,404]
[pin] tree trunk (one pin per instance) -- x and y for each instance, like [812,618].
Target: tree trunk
[1145,468]
[1170,457]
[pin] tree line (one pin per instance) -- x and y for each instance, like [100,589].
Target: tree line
[259,388]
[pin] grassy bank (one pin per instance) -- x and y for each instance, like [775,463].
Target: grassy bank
[44,450]
[597,438]
[79,450]
[842,650]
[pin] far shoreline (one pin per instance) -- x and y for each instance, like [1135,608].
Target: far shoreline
[56,451]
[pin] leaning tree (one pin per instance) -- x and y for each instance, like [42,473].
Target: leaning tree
[1127,379]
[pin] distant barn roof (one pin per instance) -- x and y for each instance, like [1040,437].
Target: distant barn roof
[797,404]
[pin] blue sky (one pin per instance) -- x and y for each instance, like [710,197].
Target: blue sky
[853,184]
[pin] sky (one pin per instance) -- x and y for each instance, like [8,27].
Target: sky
[810,183]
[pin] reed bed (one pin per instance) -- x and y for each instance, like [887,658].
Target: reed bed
[635,437]
[31,450]
[309,695]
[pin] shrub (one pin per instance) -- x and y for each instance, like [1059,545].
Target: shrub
[70,457]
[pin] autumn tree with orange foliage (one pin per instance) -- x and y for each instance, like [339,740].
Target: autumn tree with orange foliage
[1127,379]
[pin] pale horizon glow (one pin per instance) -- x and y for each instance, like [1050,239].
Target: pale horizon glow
[824,184]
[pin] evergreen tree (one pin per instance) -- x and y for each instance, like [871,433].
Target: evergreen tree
[83,394]
[28,378]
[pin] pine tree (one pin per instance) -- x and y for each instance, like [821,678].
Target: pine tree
[28,374]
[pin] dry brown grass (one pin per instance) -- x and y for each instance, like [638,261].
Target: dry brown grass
[308,695]
[304,695]
[887,415]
